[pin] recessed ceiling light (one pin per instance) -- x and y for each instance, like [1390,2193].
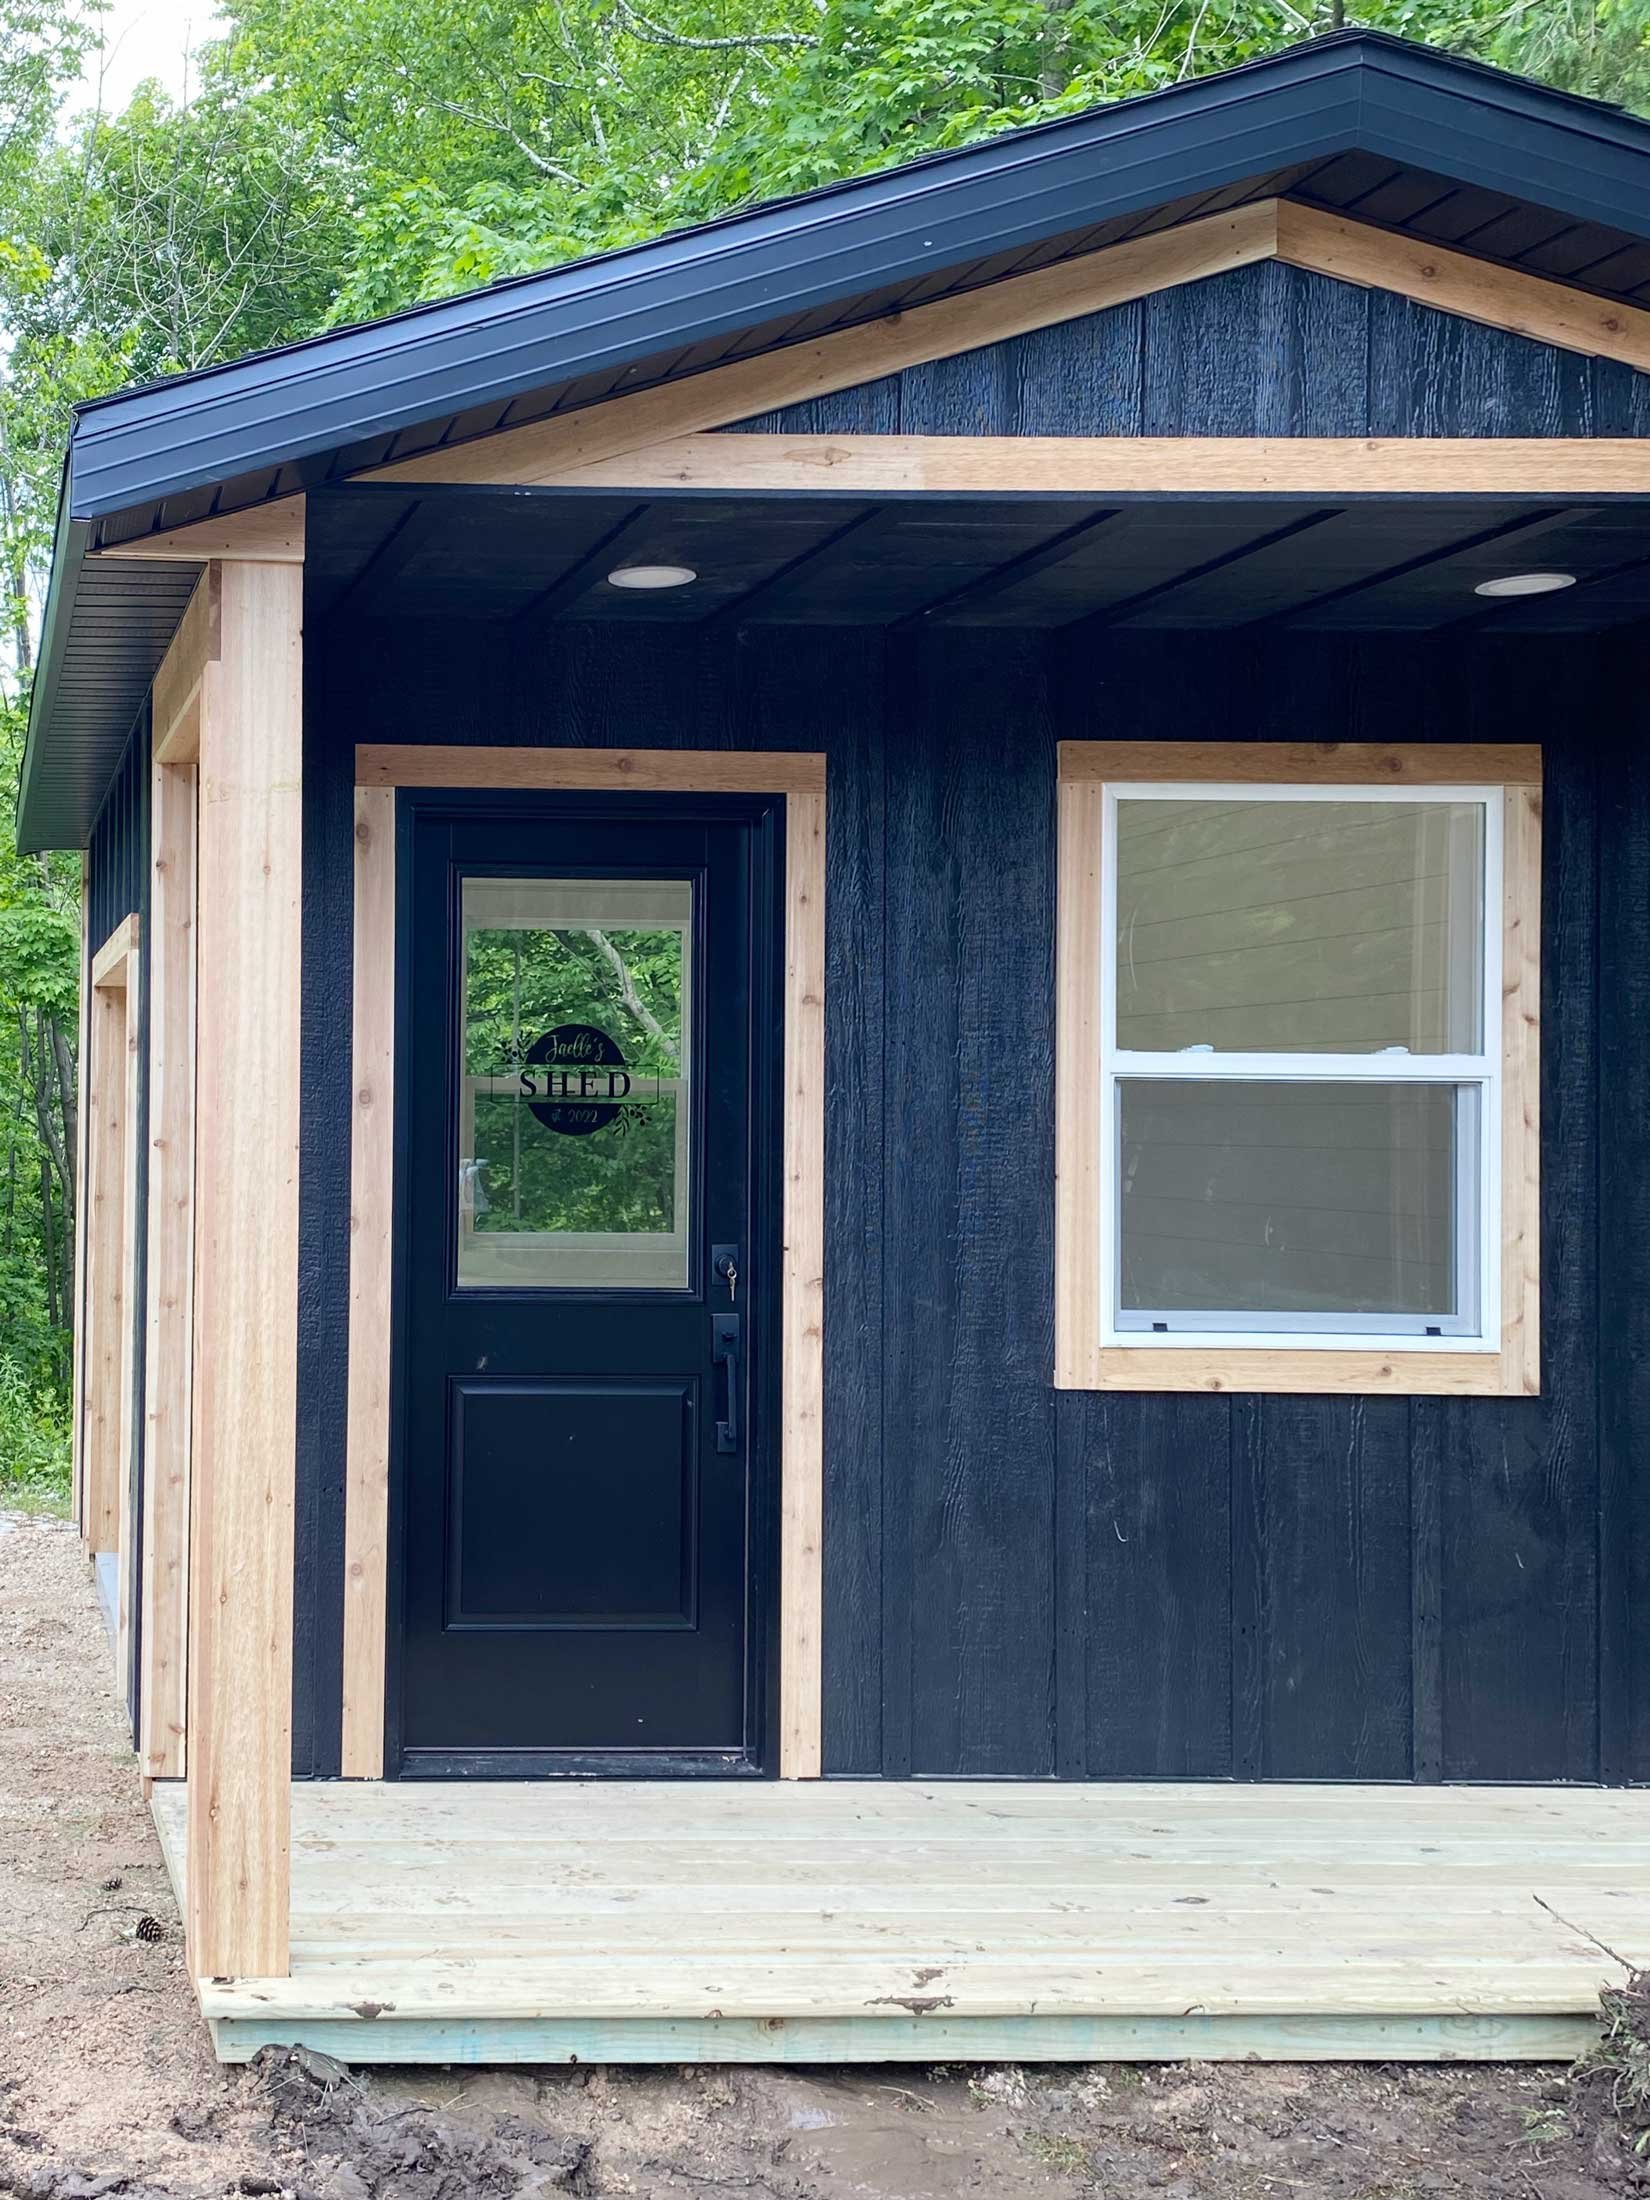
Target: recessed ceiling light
[1525,584]
[652,576]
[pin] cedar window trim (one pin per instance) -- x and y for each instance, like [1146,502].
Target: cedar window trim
[1084,1360]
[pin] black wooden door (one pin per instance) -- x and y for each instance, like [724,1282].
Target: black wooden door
[590,1044]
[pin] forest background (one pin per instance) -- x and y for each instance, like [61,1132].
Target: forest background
[329,160]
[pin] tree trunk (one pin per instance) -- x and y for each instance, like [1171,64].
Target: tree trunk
[18,573]
[68,1104]
[48,1239]
[8,1237]
[1052,80]
[48,1070]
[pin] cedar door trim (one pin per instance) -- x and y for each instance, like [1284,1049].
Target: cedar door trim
[379,770]
[1083,1361]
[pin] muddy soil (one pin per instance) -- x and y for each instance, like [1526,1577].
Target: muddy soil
[107,2084]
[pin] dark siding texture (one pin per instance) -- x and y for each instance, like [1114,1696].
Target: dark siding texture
[117,857]
[1264,350]
[1030,1584]
[1026,1584]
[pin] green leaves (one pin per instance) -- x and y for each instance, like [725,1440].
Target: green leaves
[39,957]
[478,146]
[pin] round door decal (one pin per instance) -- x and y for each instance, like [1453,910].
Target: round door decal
[574,1080]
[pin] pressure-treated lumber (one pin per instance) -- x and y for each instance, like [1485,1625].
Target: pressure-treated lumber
[1190,2038]
[170,1272]
[801,779]
[372,1187]
[513,1921]
[246,1279]
[1334,468]
[1082,1360]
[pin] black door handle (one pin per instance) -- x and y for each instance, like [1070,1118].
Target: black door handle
[724,1353]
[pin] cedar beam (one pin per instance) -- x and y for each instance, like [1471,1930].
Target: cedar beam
[246,1287]
[175,698]
[1431,274]
[1334,469]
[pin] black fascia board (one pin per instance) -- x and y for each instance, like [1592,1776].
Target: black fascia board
[1553,150]
[33,799]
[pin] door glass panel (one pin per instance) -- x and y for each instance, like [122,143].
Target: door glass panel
[1291,927]
[1310,1199]
[573,1131]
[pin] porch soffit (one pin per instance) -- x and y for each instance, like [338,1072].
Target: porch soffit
[656,428]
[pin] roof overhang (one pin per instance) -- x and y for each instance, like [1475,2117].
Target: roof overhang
[1377,95]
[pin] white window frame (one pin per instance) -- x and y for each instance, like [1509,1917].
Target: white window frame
[1477,1328]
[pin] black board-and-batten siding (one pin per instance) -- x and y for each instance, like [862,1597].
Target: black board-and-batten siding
[1022,1583]
[1031,1584]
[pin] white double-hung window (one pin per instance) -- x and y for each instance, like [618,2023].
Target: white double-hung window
[1285,1051]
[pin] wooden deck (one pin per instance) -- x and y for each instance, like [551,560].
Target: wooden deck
[655,1922]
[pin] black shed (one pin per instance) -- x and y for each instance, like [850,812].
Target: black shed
[868,1049]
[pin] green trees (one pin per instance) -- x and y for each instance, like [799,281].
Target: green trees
[479,143]
[42,43]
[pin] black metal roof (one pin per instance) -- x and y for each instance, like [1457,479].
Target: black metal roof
[1420,141]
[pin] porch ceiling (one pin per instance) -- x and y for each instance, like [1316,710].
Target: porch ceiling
[530,559]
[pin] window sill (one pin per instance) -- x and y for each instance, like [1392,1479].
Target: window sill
[1272,1369]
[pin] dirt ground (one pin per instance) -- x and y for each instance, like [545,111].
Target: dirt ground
[107,2084]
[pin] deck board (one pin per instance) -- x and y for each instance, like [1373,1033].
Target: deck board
[642,1921]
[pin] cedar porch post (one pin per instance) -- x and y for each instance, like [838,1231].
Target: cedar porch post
[246,1283]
